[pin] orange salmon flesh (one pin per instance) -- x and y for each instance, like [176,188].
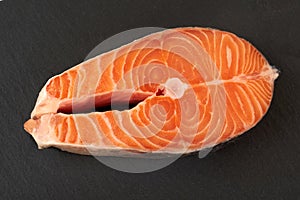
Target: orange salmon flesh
[192,88]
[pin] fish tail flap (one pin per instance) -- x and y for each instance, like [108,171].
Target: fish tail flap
[41,130]
[30,125]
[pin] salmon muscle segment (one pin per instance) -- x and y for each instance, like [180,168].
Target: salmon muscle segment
[182,90]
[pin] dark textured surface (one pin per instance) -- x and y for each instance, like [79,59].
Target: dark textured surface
[42,38]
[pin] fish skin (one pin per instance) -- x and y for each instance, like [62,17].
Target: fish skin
[221,86]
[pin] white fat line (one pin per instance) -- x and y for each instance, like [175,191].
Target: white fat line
[238,79]
[147,127]
[259,89]
[59,127]
[243,55]
[77,130]
[106,120]
[141,82]
[194,47]
[248,101]
[132,48]
[171,50]
[155,134]
[259,97]
[234,126]
[256,100]
[118,55]
[165,120]
[81,76]
[119,123]
[207,124]
[225,127]
[215,82]
[241,107]
[99,70]
[207,61]
[214,44]
[78,139]
[246,63]
[61,85]
[234,108]
[98,131]
[70,85]
[260,93]
[196,38]
[217,127]
[237,52]
[111,75]
[220,53]
[189,41]
[228,56]
[141,133]
[68,132]
[211,132]
[251,60]
[150,118]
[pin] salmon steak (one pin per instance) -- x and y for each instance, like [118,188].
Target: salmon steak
[183,89]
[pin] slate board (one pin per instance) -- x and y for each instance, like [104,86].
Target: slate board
[39,39]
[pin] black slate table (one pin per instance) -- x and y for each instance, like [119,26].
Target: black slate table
[39,39]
